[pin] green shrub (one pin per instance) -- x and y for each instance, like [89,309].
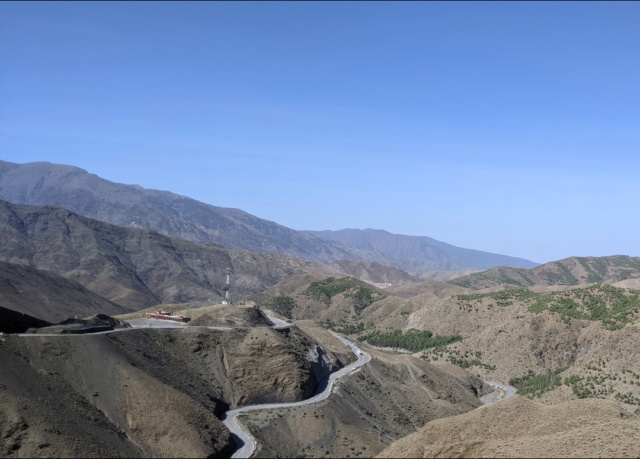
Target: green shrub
[536,385]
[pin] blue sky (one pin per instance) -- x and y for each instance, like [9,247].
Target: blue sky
[506,127]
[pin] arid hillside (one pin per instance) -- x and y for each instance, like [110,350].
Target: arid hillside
[146,392]
[49,296]
[374,273]
[570,271]
[582,341]
[519,427]
[561,345]
[109,269]
[337,302]
[387,399]
[431,289]
[134,268]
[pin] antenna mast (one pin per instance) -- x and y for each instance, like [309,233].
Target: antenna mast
[226,288]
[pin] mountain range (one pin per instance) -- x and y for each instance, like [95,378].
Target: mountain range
[181,217]
[567,272]
[132,267]
[420,253]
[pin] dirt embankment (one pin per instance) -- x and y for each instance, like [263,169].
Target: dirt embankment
[519,427]
[387,399]
[146,392]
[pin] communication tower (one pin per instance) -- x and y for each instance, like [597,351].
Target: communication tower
[226,287]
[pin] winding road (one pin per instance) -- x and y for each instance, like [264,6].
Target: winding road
[242,436]
[508,391]
[245,442]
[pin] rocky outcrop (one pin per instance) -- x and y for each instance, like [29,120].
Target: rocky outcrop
[321,364]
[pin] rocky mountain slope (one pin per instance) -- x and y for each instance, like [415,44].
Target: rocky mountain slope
[421,253]
[518,427]
[515,331]
[570,271]
[149,393]
[133,267]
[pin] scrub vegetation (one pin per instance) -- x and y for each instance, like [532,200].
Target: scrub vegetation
[412,340]
[613,306]
[324,290]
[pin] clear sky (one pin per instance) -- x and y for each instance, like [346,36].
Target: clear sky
[507,127]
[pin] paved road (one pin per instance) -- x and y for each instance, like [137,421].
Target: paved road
[135,323]
[230,417]
[278,323]
[152,323]
[247,444]
[240,435]
[508,390]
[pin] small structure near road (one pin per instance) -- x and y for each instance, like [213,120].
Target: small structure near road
[165,315]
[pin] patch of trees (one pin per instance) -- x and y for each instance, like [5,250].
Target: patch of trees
[345,329]
[325,289]
[282,305]
[534,385]
[412,340]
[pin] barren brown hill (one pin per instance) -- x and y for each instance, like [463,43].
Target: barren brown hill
[374,273]
[388,398]
[48,296]
[570,271]
[518,427]
[335,301]
[146,392]
[435,289]
[441,275]
[134,268]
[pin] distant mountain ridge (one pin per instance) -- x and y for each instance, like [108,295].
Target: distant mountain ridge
[41,183]
[570,271]
[420,253]
[75,189]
